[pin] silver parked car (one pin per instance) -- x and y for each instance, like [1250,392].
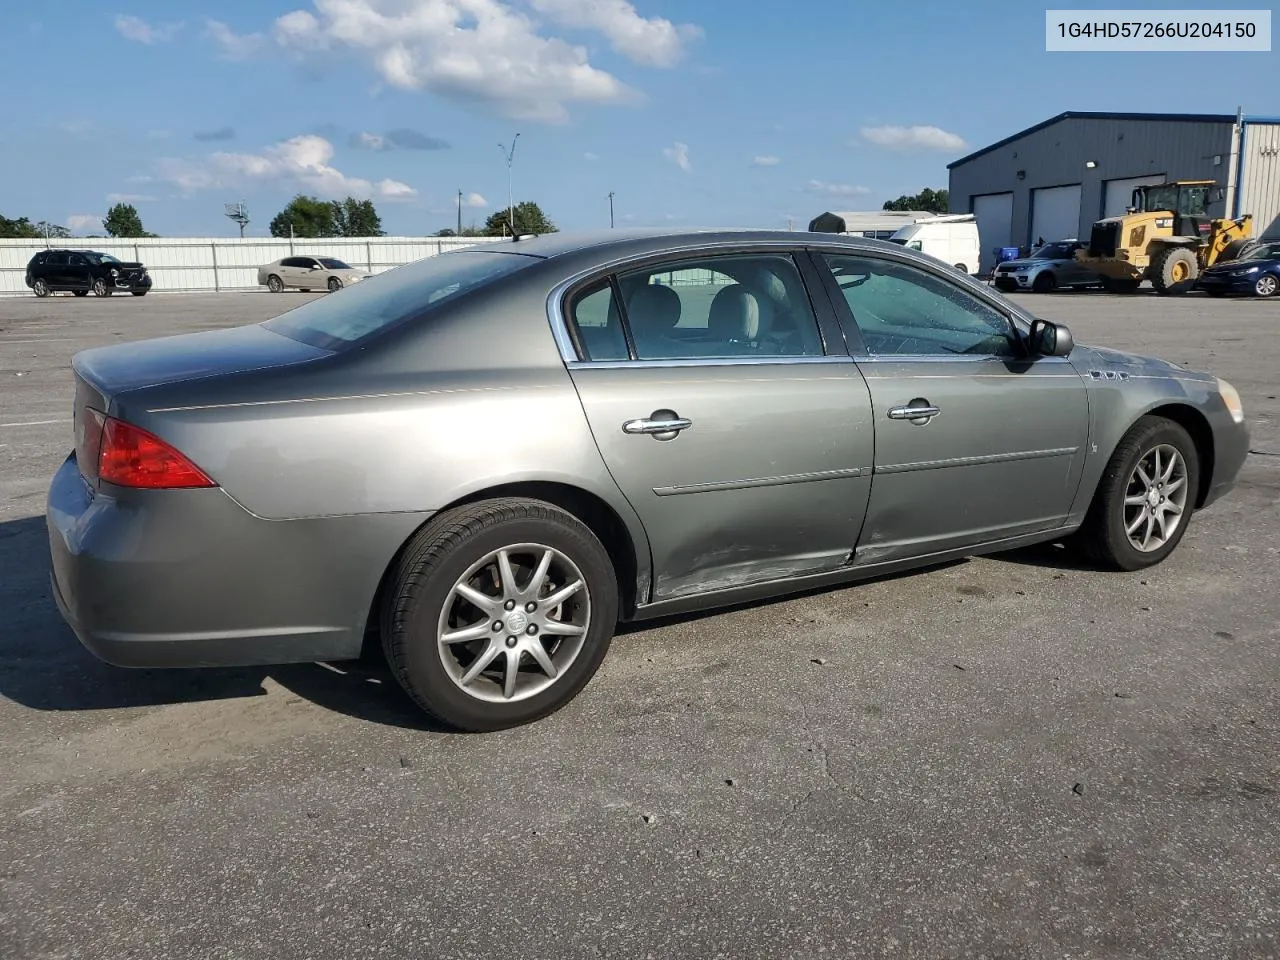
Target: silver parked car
[1049,267]
[308,273]
[491,456]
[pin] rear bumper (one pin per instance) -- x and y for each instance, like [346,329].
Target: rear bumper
[188,578]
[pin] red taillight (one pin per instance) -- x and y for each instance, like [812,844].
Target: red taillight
[132,457]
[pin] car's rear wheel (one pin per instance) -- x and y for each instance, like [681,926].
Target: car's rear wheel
[1266,286]
[334,284]
[100,288]
[498,613]
[1045,282]
[1145,498]
[275,284]
[40,287]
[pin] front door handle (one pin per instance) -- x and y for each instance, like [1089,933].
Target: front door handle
[917,411]
[661,425]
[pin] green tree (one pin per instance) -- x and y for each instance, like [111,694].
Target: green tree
[529,219]
[356,218]
[122,220]
[19,229]
[307,216]
[44,229]
[930,201]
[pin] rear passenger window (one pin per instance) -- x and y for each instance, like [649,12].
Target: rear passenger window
[596,320]
[753,305]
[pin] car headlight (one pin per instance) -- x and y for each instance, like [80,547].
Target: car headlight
[1245,271]
[1231,397]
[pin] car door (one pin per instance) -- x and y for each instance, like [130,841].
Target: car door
[291,271]
[78,273]
[54,270]
[743,444]
[975,441]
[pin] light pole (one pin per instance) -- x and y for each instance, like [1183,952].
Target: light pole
[511,202]
[610,209]
[459,233]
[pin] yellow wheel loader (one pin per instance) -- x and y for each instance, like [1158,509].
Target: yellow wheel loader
[1166,237]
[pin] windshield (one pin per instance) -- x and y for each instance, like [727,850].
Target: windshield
[394,297]
[331,264]
[95,257]
[1162,198]
[1054,251]
[1265,251]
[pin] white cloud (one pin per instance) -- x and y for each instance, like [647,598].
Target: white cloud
[138,30]
[678,154]
[479,51]
[836,189]
[767,161]
[474,200]
[83,221]
[234,46]
[654,42]
[303,160]
[130,198]
[913,138]
[590,156]
[371,141]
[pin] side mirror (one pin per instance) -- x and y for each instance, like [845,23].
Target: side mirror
[1050,339]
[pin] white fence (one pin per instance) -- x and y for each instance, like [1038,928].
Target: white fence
[225,263]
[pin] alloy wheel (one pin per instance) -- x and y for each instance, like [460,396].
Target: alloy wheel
[514,622]
[1266,286]
[1155,498]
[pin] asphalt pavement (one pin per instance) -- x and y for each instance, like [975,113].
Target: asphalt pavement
[1012,757]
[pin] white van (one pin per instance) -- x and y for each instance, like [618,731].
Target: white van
[951,239]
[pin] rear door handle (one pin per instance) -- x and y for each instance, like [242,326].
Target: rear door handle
[922,413]
[661,425]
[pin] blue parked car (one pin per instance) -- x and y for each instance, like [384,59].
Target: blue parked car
[1254,274]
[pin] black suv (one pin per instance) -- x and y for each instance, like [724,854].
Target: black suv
[81,271]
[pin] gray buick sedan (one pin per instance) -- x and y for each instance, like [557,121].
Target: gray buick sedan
[490,457]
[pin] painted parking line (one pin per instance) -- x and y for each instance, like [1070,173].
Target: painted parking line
[35,423]
[40,340]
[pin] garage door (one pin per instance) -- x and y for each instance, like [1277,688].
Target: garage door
[1118,193]
[1055,214]
[994,213]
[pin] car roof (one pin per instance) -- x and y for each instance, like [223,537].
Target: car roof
[639,241]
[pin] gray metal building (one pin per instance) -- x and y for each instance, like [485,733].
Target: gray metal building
[1053,180]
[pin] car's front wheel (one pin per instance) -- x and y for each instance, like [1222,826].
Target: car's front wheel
[40,287]
[334,284]
[1046,282]
[1145,498]
[498,613]
[1266,286]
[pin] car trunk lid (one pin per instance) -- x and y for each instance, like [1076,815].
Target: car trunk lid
[103,374]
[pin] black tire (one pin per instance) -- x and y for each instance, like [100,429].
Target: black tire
[334,284]
[1113,285]
[1267,285]
[422,580]
[1102,536]
[1045,282]
[1006,287]
[100,287]
[139,293]
[275,284]
[80,293]
[1174,271]
[40,287]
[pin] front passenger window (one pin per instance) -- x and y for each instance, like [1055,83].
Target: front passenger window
[905,311]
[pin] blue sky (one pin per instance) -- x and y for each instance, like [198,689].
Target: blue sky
[705,112]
